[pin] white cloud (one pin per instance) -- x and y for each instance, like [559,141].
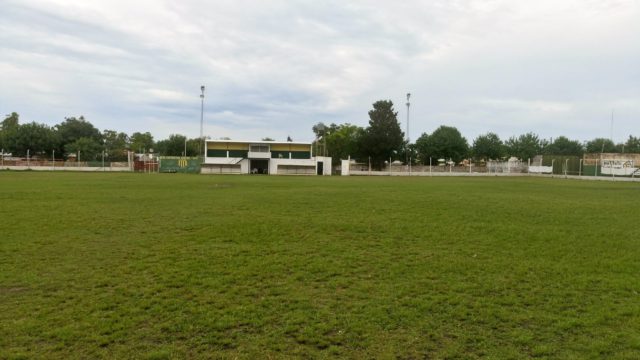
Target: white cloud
[278,67]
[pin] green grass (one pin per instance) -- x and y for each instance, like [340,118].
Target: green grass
[163,266]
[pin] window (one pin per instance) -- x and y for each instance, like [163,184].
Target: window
[259,148]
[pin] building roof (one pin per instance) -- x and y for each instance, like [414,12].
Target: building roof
[259,142]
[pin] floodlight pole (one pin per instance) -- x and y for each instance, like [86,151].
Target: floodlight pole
[408,137]
[28,163]
[201,123]
[53,160]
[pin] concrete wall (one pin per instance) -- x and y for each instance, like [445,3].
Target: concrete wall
[67,168]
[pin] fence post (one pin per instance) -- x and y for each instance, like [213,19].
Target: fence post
[580,170]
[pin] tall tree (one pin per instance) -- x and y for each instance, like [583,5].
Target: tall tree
[8,130]
[383,137]
[141,142]
[115,145]
[446,142]
[38,139]
[342,141]
[524,147]
[88,148]
[175,146]
[488,146]
[563,146]
[73,128]
[600,145]
[632,145]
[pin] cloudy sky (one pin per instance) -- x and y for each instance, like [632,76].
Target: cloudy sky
[275,68]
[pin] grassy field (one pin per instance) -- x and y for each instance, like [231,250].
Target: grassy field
[172,266]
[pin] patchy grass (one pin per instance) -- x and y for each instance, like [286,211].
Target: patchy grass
[169,266]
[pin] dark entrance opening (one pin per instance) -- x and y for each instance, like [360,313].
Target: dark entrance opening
[259,167]
[320,168]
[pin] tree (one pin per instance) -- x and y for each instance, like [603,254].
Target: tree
[524,147]
[267,139]
[141,142]
[89,148]
[600,145]
[175,146]
[446,142]
[193,146]
[383,137]
[342,141]
[488,146]
[72,129]
[632,145]
[115,145]
[37,138]
[8,129]
[563,146]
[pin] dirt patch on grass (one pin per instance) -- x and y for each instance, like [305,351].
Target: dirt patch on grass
[6,290]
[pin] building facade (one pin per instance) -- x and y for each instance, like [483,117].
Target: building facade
[263,157]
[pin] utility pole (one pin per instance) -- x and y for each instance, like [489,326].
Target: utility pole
[408,105]
[201,121]
[408,138]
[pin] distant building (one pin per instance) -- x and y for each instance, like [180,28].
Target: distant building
[263,157]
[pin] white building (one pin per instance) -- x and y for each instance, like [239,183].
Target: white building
[263,157]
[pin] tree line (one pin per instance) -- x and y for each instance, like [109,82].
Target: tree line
[383,140]
[77,135]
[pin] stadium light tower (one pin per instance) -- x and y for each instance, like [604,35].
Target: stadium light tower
[201,120]
[408,104]
[408,139]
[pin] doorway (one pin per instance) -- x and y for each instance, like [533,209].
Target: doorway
[259,167]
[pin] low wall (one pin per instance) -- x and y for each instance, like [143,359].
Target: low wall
[66,168]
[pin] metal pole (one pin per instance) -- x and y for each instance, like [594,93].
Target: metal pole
[580,170]
[408,137]
[552,161]
[469,165]
[78,163]
[2,157]
[613,174]
[201,121]
[596,171]
[430,174]
[102,160]
[53,160]
[185,147]
[28,163]
[566,165]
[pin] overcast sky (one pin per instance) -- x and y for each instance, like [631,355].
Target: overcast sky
[275,68]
